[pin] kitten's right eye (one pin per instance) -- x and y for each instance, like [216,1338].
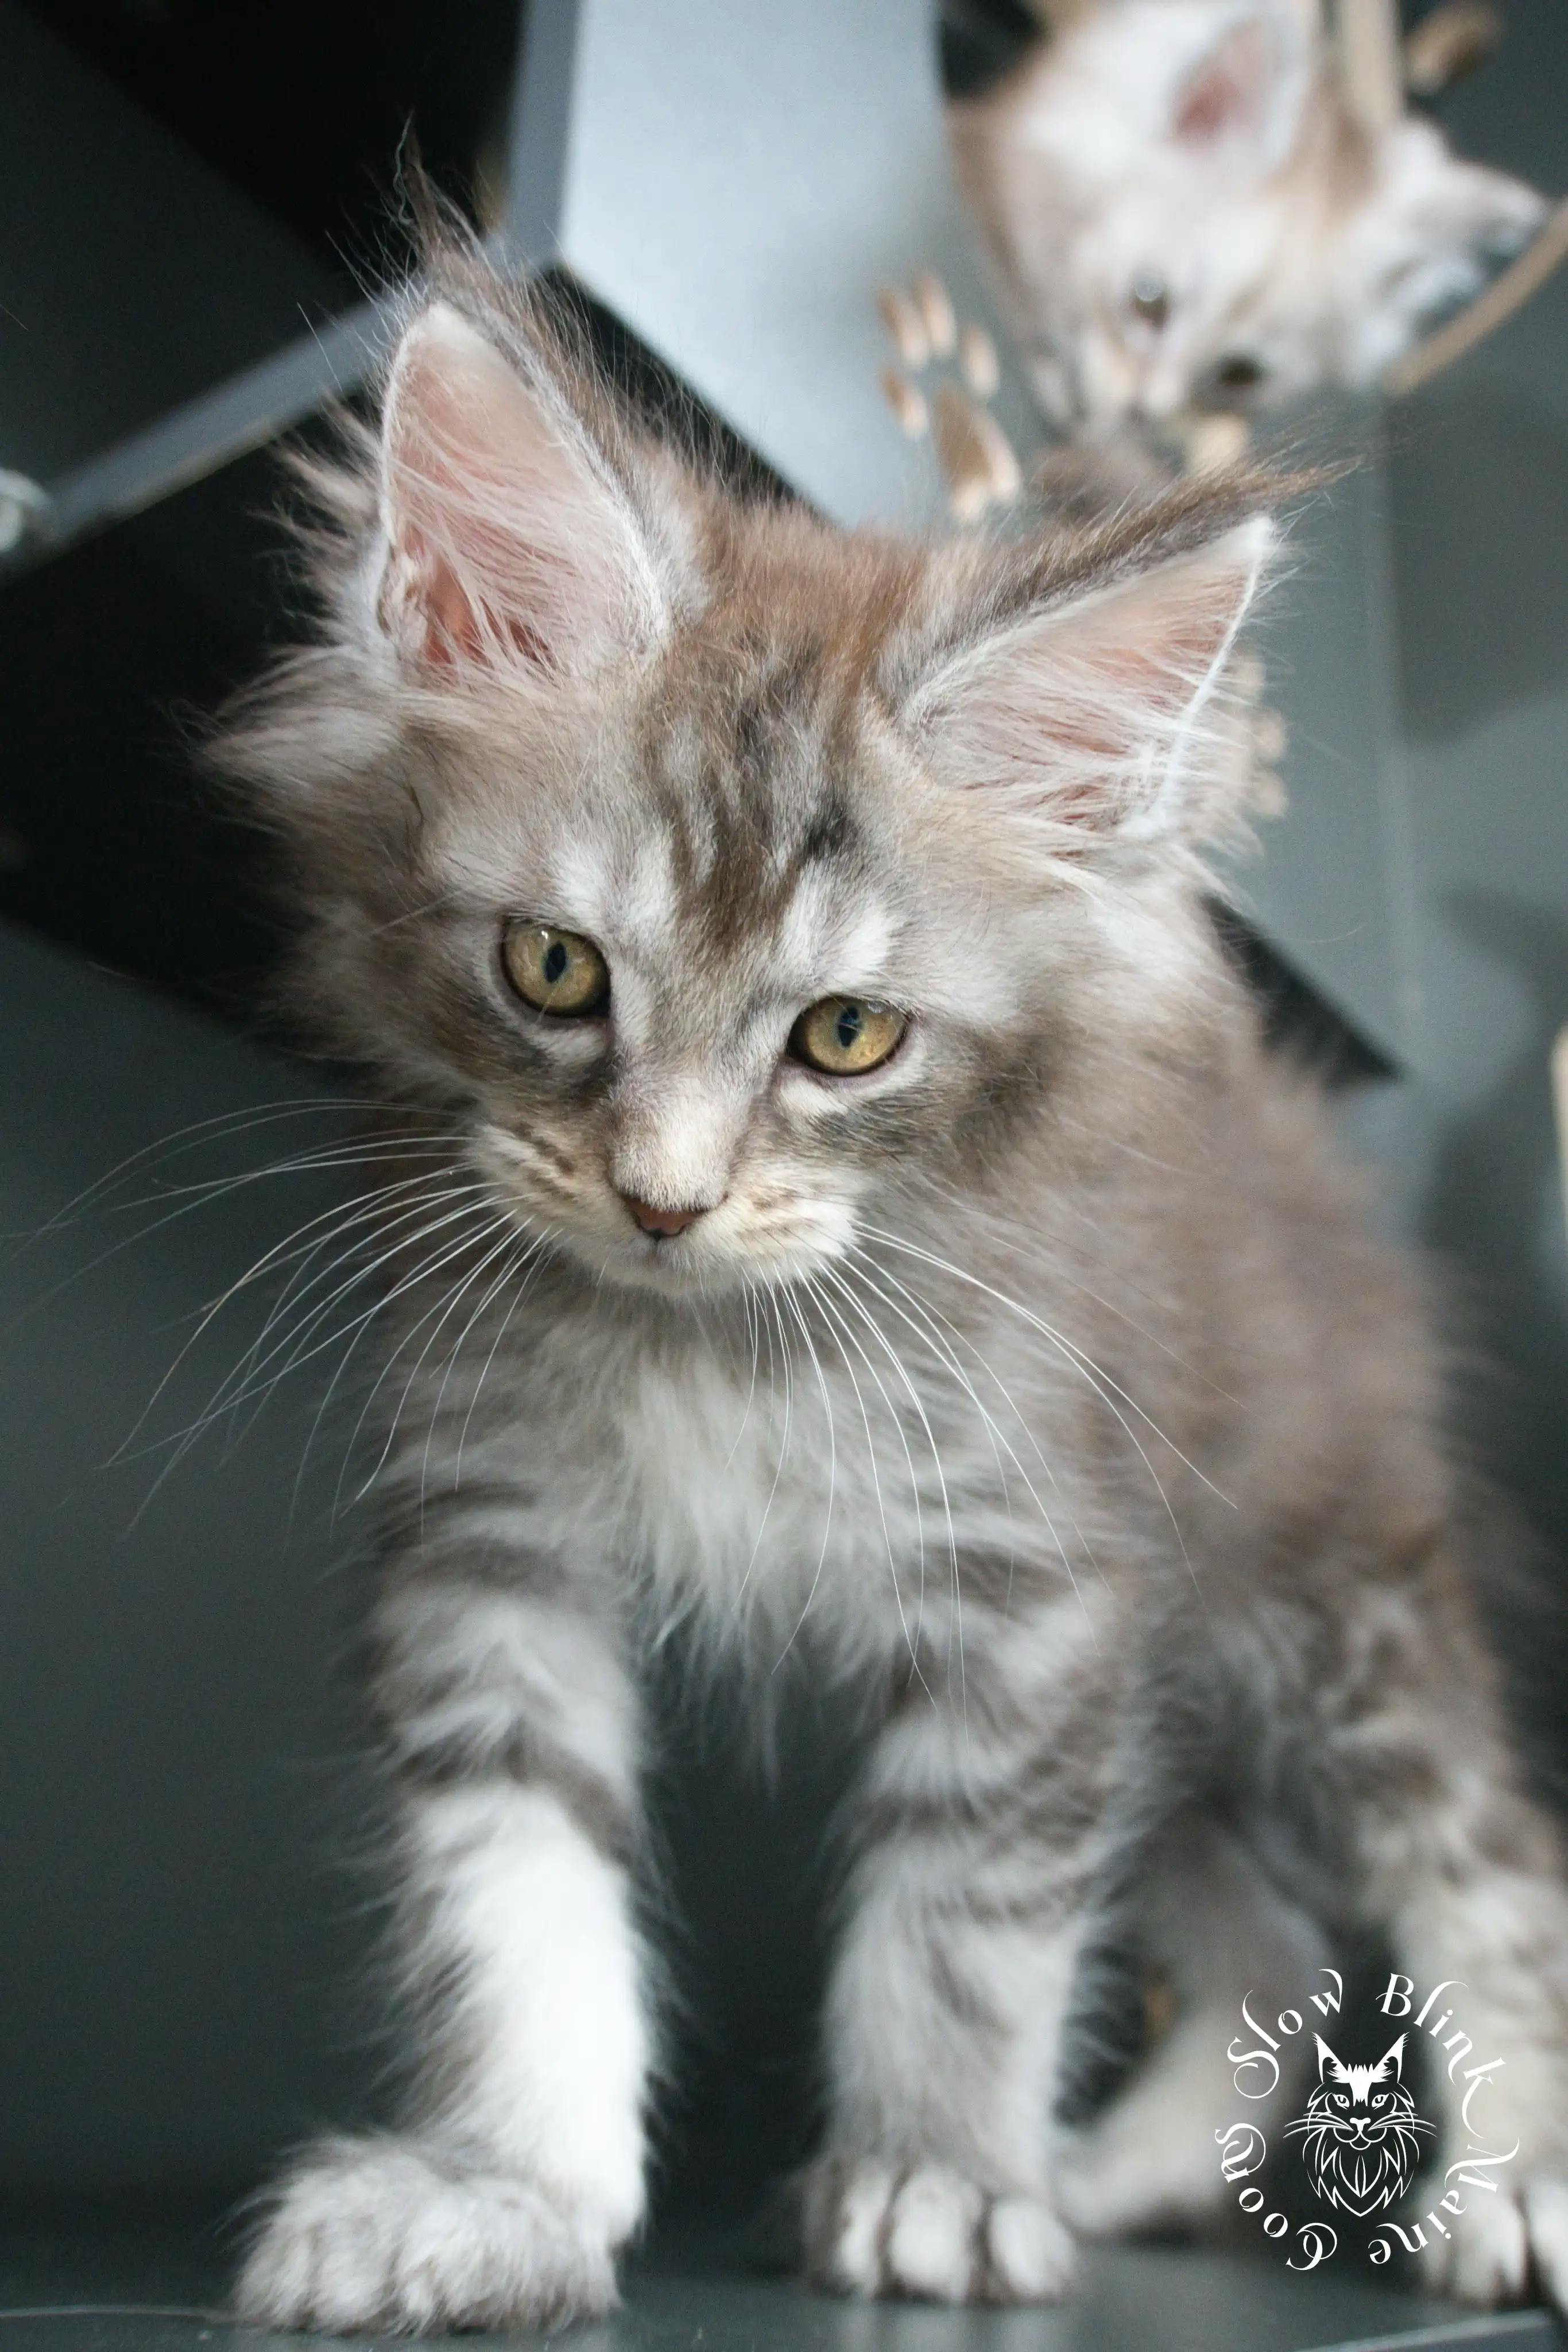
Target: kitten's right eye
[558,973]
[844,1036]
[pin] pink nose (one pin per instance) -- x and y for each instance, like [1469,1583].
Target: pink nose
[665,1222]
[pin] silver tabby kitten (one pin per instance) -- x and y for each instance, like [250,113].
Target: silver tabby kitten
[864,1225]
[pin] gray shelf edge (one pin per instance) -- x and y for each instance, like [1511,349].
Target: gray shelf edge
[248,410]
[205,434]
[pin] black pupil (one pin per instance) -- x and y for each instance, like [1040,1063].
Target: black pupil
[847,1026]
[556,962]
[1238,374]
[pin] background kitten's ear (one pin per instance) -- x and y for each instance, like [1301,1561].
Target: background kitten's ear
[1244,96]
[1434,229]
[1328,2065]
[506,535]
[1393,2059]
[1110,719]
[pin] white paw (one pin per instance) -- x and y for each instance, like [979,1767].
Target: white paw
[381,2235]
[1499,2240]
[870,2229]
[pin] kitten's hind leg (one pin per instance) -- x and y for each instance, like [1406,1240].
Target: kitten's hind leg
[1217,1930]
[1467,1875]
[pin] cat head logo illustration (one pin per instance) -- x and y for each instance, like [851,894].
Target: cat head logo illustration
[1359,2132]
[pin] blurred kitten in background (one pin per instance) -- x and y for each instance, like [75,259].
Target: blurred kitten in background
[1188,217]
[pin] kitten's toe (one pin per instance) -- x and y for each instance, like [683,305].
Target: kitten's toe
[379,2234]
[1032,2256]
[870,2229]
[931,2243]
[844,2212]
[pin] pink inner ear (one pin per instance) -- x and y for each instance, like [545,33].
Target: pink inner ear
[1228,90]
[1101,720]
[426,605]
[505,536]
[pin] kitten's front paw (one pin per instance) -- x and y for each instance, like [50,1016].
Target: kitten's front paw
[872,2229]
[382,2235]
[1496,2243]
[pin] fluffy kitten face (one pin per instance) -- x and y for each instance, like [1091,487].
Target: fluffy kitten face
[738,847]
[720,766]
[1187,218]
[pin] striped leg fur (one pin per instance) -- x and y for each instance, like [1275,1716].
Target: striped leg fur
[512,1735]
[1218,1931]
[972,1896]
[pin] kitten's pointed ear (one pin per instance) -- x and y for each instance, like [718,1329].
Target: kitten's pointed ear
[1434,229]
[1244,95]
[1393,2060]
[1327,2061]
[506,535]
[1111,719]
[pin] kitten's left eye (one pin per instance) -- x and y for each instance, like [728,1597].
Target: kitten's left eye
[558,973]
[846,1035]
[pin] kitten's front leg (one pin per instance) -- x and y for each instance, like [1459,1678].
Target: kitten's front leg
[982,1848]
[511,1732]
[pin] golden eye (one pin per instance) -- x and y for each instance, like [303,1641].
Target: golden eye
[556,971]
[845,1035]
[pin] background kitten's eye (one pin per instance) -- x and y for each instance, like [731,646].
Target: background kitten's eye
[556,971]
[846,1035]
[1150,298]
[1239,372]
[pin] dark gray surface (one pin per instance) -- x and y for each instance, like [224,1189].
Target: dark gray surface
[1478,539]
[1328,879]
[177,1959]
[131,275]
[120,2288]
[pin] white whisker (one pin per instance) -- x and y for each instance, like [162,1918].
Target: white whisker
[1102,1385]
[794,1305]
